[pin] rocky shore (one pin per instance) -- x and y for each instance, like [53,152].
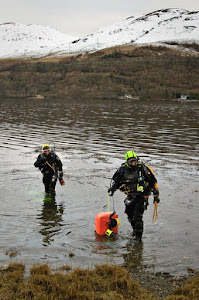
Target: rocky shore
[162,284]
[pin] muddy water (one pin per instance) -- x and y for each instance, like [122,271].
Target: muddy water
[91,139]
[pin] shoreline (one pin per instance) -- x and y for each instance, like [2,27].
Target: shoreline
[103,282]
[161,284]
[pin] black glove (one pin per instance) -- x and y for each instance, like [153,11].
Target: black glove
[156,199]
[60,176]
[41,161]
[110,192]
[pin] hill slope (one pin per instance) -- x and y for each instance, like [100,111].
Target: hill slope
[148,72]
[17,40]
[162,25]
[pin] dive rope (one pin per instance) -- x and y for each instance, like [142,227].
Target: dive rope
[109,203]
[155,212]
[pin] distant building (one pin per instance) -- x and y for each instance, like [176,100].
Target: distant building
[128,96]
[184,97]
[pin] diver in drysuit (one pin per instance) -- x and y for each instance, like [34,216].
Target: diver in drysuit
[137,180]
[51,167]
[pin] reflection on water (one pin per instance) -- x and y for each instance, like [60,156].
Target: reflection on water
[103,128]
[91,139]
[50,219]
[133,258]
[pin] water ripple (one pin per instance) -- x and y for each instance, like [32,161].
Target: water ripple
[91,139]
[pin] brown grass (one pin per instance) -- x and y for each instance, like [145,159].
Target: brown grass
[105,282]
[190,291]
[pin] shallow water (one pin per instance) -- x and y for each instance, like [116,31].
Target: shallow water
[91,138]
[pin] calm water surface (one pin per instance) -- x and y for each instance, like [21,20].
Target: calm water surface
[91,139]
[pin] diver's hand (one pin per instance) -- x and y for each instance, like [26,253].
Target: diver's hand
[110,192]
[156,199]
[62,182]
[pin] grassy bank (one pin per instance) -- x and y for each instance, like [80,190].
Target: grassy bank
[103,283]
[144,72]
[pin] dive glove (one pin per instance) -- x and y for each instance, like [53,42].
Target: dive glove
[156,199]
[110,192]
[61,180]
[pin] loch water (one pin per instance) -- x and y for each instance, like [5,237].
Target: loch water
[91,138]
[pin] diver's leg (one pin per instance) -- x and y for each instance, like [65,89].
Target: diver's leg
[138,218]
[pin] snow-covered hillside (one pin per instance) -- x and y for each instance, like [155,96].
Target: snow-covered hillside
[25,40]
[163,25]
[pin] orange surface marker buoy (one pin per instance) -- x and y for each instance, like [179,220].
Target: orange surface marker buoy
[102,222]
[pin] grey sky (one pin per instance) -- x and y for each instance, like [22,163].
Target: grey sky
[81,17]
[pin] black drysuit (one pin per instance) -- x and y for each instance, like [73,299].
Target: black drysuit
[51,167]
[137,182]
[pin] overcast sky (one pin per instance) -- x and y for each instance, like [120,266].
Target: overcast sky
[81,17]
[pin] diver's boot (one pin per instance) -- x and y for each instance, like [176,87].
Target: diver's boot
[47,190]
[52,193]
[138,237]
[138,228]
[132,225]
[133,233]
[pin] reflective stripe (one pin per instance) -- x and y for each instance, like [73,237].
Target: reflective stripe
[139,188]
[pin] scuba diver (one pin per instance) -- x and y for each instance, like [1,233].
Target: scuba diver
[137,180]
[51,167]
